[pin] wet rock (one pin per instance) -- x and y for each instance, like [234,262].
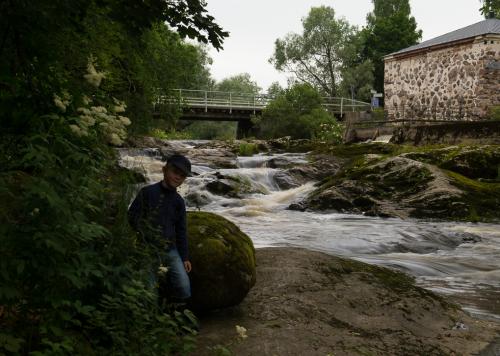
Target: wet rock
[284,181]
[280,143]
[278,162]
[330,199]
[144,142]
[223,260]
[297,206]
[394,186]
[214,158]
[197,199]
[232,186]
[469,161]
[221,187]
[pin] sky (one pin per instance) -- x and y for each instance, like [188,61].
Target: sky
[254,25]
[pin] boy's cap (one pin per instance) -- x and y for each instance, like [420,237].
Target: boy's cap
[180,162]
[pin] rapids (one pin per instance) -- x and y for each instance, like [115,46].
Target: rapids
[459,260]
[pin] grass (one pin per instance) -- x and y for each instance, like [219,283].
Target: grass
[173,135]
[247,149]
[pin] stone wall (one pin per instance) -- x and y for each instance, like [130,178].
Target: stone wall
[453,83]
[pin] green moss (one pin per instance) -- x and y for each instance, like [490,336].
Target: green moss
[223,259]
[247,149]
[477,161]
[395,281]
[483,198]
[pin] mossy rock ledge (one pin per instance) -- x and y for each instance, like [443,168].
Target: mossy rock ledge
[223,259]
[450,183]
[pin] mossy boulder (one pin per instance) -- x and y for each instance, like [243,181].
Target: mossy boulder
[233,186]
[223,260]
[455,182]
[470,161]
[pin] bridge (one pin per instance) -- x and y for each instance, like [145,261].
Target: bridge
[240,107]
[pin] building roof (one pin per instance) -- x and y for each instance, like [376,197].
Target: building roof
[488,26]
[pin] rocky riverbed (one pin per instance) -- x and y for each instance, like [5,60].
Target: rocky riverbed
[310,303]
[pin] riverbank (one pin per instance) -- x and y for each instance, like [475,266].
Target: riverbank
[310,303]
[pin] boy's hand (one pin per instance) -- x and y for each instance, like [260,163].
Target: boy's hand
[187,266]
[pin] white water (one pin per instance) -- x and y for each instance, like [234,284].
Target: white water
[433,252]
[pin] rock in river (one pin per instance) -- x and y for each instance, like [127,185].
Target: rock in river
[223,260]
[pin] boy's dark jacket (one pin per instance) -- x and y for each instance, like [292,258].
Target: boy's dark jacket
[159,214]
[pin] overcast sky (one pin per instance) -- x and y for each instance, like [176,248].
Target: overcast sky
[254,25]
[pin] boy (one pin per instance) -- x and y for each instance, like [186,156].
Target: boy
[158,214]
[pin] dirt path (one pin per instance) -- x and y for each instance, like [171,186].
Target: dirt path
[310,303]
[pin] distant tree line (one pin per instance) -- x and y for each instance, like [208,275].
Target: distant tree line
[337,58]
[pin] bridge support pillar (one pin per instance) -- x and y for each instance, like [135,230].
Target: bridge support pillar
[245,129]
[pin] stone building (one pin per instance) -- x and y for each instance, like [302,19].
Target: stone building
[455,76]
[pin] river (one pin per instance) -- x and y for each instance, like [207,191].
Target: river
[458,260]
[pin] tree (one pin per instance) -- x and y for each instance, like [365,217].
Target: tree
[390,27]
[296,112]
[318,55]
[239,83]
[275,89]
[72,269]
[357,72]
[490,9]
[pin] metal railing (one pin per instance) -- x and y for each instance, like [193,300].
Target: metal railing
[204,99]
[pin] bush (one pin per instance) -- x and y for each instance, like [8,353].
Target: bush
[172,135]
[297,112]
[247,149]
[210,130]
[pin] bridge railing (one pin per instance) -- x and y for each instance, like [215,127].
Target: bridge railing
[221,99]
[203,99]
[340,106]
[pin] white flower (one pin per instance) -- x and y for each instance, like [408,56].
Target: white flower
[87,120]
[162,270]
[59,103]
[84,111]
[125,120]
[93,76]
[100,109]
[79,131]
[86,100]
[115,139]
[76,130]
[242,332]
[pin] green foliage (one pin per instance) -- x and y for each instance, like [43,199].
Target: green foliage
[297,113]
[247,149]
[71,268]
[172,135]
[390,27]
[275,89]
[212,130]
[240,83]
[324,55]
[331,132]
[490,9]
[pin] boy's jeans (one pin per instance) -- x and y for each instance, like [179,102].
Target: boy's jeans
[178,284]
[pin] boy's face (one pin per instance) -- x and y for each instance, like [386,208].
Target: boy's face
[173,176]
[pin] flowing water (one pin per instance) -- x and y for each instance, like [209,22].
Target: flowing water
[460,260]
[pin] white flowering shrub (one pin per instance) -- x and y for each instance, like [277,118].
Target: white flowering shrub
[331,132]
[96,119]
